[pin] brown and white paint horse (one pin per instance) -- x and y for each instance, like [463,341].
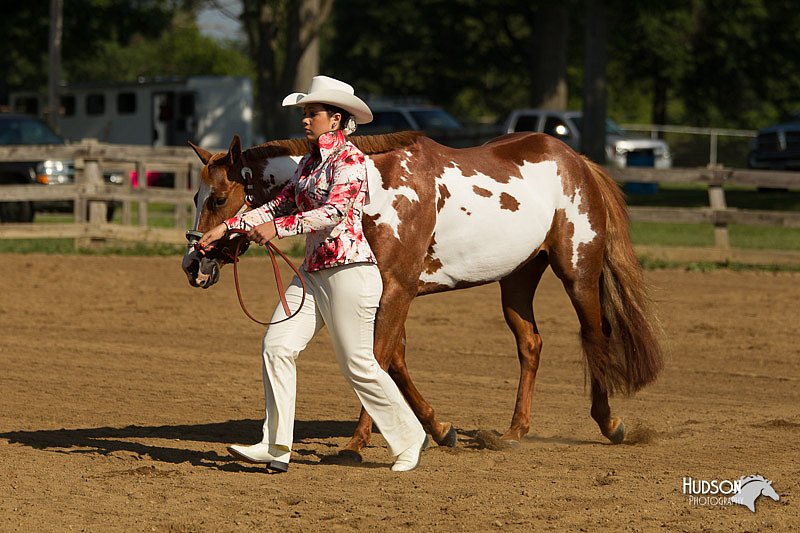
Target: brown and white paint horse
[440,219]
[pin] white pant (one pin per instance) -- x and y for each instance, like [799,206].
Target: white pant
[345,299]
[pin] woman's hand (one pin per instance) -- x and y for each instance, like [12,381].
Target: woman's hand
[263,233]
[212,235]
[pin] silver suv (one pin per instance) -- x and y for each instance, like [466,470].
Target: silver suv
[622,150]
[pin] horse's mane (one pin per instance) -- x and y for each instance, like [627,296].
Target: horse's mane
[281,148]
[369,144]
[379,144]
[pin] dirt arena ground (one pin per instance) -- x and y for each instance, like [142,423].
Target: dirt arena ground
[121,387]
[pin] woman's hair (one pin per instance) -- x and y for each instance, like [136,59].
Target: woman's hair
[331,109]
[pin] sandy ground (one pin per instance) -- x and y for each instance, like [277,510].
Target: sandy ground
[121,387]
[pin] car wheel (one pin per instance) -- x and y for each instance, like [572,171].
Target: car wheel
[16,211]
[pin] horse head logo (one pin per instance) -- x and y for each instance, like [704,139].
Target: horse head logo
[751,487]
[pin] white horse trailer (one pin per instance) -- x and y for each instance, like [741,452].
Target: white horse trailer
[207,110]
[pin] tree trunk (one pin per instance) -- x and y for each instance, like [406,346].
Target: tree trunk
[54,62]
[593,136]
[659,111]
[549,57]
[283,43]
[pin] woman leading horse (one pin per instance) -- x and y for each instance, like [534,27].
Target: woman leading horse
[441,219]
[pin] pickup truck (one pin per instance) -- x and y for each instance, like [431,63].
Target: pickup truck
[777,147]
[622,150]
[16,129]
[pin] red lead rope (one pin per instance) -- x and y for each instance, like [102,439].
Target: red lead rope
[272,249]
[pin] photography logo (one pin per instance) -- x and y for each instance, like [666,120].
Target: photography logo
[743,491]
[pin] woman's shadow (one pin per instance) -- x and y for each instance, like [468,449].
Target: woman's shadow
[108,440]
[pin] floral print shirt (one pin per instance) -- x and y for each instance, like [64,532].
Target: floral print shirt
[324,199]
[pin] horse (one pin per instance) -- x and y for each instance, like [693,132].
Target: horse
[751,487]
[440,219]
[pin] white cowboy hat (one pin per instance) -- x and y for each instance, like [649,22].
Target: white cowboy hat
[325,90]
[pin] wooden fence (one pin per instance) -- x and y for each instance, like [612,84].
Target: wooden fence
[717,214]
[90,193]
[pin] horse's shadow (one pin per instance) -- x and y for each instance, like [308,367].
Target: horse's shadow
[108,440]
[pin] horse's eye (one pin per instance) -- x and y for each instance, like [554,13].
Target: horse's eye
[220,201]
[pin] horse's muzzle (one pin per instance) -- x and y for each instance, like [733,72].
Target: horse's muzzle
[200,270]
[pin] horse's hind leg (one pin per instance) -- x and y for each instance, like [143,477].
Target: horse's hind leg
[584,292]
[611,427]
[517,292]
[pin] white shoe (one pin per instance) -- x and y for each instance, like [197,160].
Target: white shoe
[409,458]
[275,457]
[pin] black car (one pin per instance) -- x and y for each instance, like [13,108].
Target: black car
[16,129]
[777,147]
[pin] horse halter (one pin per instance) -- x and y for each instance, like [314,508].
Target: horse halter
[233,257]
[247,176]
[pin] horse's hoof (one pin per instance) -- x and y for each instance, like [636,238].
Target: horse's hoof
[350,456]
[450,438]
[618,435]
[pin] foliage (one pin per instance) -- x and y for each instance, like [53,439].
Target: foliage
[704,62]
[468,55]
[279,33]
[67,247]
[701,62]
[87,25]
[181,51]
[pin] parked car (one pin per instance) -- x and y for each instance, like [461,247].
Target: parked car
[622,149]
[19,130]
[386,119]
[434,121]
[777,147]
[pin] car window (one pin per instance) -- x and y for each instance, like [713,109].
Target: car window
[434,118]
[556,127]
[612,128]
[527,123]
[26,131]
[389,120]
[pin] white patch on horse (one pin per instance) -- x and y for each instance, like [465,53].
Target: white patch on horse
[477,240]
[283,168]
[381,205]
[582,229]
[404,162]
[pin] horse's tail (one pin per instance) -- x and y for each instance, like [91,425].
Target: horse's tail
[634,355]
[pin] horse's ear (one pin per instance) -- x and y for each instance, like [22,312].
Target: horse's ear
[204,155]
[235,150]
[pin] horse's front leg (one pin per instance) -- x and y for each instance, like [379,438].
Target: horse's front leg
[361,437]
[443,433]
[383,347]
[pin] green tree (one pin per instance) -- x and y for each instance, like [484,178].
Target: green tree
[467,55]
[281,35]
[741,54]
[181,51]
[87,25]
